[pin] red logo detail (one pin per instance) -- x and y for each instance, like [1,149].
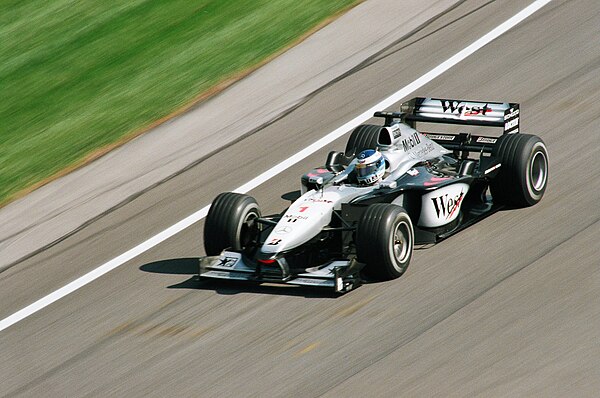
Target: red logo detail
[456,205]
[435,181]
[445,206]
[478,111]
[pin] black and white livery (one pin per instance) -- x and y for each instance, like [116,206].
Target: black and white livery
[343,227]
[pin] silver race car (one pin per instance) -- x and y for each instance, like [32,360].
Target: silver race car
[360,216]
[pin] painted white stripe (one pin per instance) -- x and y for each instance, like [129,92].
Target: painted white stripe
[255,182]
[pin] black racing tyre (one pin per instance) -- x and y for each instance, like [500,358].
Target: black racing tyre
[363,137]
[384,241]
[230,223]
[523,176]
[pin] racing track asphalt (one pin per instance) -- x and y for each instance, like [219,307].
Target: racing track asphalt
[508,307]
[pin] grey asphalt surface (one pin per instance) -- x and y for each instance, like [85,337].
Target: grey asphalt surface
[508,307]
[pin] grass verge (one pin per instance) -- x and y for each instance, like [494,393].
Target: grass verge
[80,77]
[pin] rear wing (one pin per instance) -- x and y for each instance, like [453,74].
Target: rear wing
[450,111]
[462,112]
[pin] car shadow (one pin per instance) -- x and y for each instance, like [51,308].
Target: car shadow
[189,266]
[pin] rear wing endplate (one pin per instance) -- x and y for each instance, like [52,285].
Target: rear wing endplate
[463,112]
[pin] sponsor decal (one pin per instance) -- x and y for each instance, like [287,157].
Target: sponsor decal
[283,230]
[511,120]
[227,262]
[395,129]
[274,242]
[294,218]
[486,140]
[445,206]
[476,110]
[461,108]
[303,209]
[421,152]
[441,137]
[311,282]
[315,201]
[512,124]
[413,172]
[411,142]
[217,274]
[513,113]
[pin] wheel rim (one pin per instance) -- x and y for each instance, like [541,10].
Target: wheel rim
[248,228]
[538,171]
[401,242]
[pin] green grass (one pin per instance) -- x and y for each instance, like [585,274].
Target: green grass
[76,76]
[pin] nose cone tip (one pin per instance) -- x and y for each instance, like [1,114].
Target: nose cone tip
[266,256]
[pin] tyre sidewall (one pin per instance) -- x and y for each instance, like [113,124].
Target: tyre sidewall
[535,148]
[397,266]
[375,241]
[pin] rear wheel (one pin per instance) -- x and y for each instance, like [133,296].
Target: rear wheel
[523,175]
[384,241]
[230,223]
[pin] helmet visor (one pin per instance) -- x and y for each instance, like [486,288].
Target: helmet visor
[365,170]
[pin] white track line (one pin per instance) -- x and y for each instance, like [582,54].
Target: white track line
[200,214]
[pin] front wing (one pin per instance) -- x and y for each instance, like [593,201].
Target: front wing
[339,275]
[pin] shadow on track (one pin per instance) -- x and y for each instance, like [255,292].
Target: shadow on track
[189,266]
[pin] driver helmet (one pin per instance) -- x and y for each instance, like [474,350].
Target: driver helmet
[370,167]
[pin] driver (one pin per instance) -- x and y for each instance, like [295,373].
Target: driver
[370,167]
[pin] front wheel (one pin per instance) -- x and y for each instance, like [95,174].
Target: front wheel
[230,223]
[384,241]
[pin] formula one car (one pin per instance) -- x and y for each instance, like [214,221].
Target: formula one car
[345,225]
